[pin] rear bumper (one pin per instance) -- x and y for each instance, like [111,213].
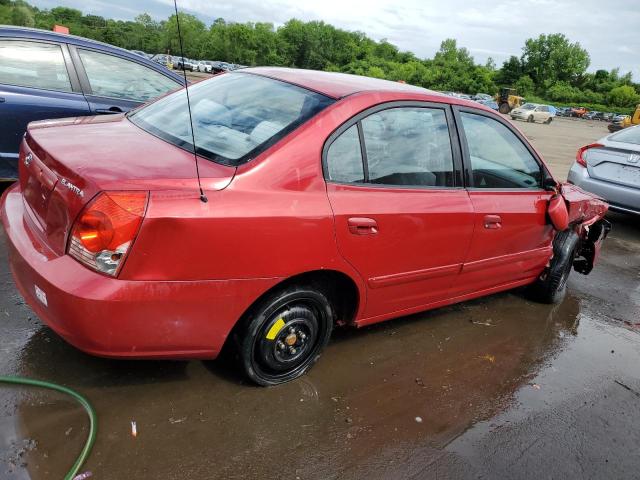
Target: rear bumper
[118,318]
[620,197]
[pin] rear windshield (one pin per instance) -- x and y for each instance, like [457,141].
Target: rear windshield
[235,116]
[628,135]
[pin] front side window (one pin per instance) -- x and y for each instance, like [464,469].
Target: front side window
[408,146]
[235,116]
[498,158]
[115,77]
[33,64]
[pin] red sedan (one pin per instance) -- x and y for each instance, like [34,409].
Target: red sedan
[327,199]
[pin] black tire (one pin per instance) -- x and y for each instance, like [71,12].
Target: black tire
[530,119]
[548,120]
[282,336]
[551,286]
[504,108]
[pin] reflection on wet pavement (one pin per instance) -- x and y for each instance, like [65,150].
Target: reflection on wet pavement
[498,383]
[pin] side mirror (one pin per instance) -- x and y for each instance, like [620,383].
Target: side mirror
[558,213]
[549,184]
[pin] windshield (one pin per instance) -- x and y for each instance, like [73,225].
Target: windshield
[235,116]
[528,106]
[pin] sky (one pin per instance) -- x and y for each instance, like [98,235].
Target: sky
[608,30]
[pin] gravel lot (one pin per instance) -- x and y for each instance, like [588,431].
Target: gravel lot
[496,388]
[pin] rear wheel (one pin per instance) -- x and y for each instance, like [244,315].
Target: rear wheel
[551,286]
[548,120]
[284,334]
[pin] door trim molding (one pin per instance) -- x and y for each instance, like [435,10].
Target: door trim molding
[414,276]
[536,253]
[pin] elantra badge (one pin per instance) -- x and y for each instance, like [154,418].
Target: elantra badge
[634,158]
[72,187]
[27,159]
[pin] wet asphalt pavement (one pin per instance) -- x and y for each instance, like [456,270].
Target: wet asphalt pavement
[500,387]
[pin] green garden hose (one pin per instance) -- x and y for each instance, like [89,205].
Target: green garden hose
[81,400]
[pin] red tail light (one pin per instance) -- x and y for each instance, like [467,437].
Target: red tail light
[580,155]
[102,235]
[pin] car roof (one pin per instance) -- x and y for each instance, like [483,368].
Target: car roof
[45,35]
[334,84]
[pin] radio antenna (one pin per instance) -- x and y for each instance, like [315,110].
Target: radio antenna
[203,197]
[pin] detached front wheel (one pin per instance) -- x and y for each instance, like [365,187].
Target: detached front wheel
[284,335]
[551,286]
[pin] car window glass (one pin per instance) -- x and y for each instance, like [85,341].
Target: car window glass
[627,135]
[234,116]
[498,158]
[344,157]
[115,77]
[33,64]
[408,146]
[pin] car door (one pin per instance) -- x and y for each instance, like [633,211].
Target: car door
[402,217]
[37,81]
[512,237]
[114,84]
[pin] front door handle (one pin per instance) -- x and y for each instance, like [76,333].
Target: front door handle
[109,110]
[492,222]
[362,226]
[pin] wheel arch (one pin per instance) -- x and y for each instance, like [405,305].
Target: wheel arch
[345,293]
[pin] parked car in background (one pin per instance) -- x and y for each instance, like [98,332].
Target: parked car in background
[349,201]
[610,168]
[491,103]
[204,66]
[590,115]
[532,112]
[141,53]
[47,75]
[563,112]
[164,60]
[578,111]
[607,116]
[479,97]
[182,63]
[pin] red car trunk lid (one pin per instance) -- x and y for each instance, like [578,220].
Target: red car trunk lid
[64,163]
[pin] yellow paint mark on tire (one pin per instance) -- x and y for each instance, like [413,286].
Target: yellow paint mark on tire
[275,329]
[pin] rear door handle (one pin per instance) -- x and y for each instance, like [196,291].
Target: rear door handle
[492,222]
[362,226]
[108,110]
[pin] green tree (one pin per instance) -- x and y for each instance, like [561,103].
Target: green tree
[525,85]
[552,58]
[623,96]
[22,16]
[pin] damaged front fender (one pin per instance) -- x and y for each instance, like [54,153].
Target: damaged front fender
[586,217]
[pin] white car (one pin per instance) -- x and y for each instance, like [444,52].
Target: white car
[532,112]
[203,66]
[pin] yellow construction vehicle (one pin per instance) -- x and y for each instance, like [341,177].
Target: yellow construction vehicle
[624,121]
[508,99]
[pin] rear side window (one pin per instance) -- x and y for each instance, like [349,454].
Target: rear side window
[33,64]
[404,146]
[344,158]
[408,146]
[115,77]
[498,158]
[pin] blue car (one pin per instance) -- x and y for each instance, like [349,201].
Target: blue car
[489,103]
[50,75]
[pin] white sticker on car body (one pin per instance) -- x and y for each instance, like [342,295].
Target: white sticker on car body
[40,295]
